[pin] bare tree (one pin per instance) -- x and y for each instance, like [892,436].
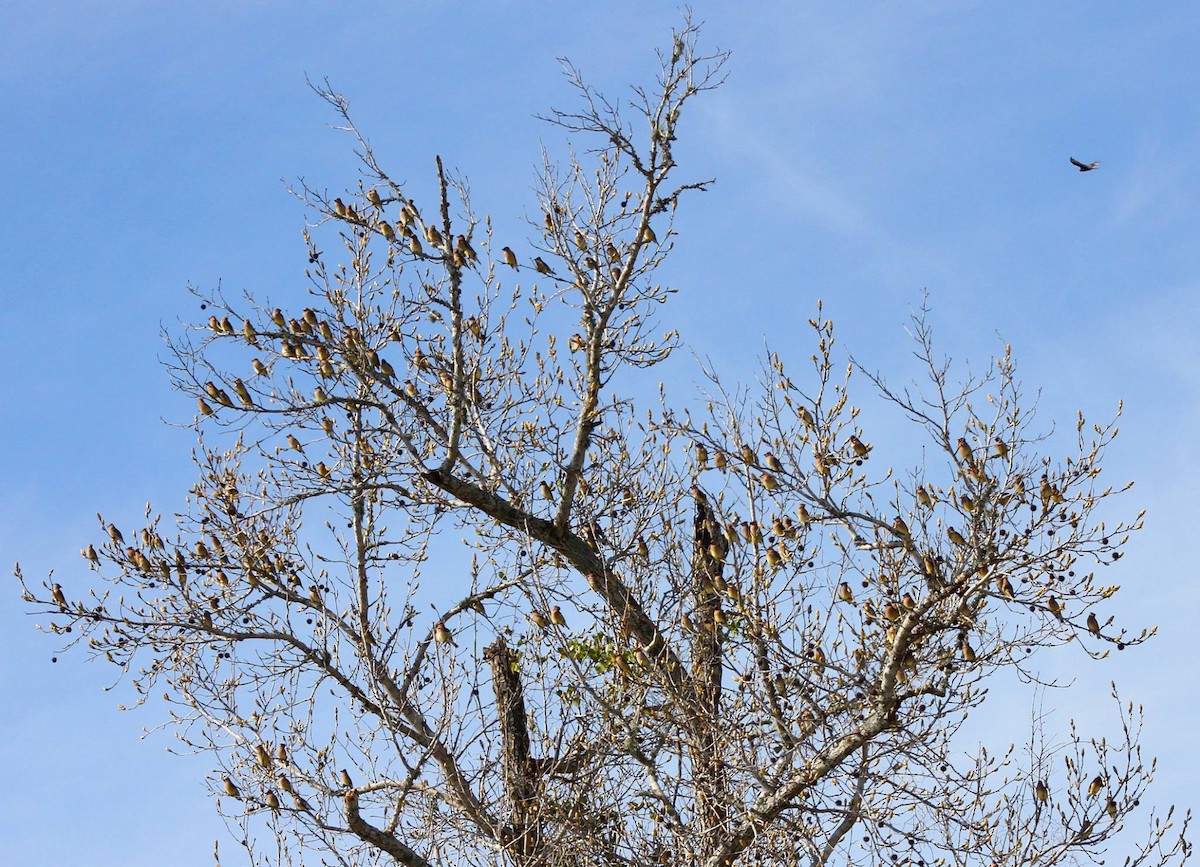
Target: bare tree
[707,637]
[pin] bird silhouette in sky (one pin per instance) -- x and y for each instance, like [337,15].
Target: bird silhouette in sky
[1085,167]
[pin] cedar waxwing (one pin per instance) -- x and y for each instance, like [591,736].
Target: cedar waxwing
[1001,448]
[1110,807]
[344,779]
[685,621]
[612,252]
[510,258]
[115,534]
[1093,624]
[748,455]
[955,537]
[590,263]
[300,803]
[281,754]
[818,657]
[556,617]
[260,369]
[622,664]
[923,497]
[249,333]
[314,593]
[860,448]
[648,236]
[802,514]
[845,593]
[968,651]
[414,246]
[463,246]
[772,462]
[719,617]
[1084,167]
[719,461]
[1041,792]
[319,395]
[1005,587]
[716,552]
[769,481]
[545,491]
[1095,786]
[204,408]
[538,619]
[386,230]
[643,550]
[442,635]
[642,659]
[967,503]
[262,756]
[373,197]
[580,240]
[1054,607]
[964,450]
[805,416]
[901,527]
[541,267]
[433,236]
[322,470]
[230,789]
[773,558]
[1019,486]
[701,455]
[242,392]
[339,207]
[891,611]
[278,318]
[56,593]
[821,465]
[90,553]
[284,783]
[272,800]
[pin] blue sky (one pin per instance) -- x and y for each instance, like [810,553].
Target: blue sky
[863,153]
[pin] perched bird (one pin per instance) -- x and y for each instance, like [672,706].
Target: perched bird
[772,462]
[1054,607]
[386,230]
[1095,786]
[56,592]
[901,527]
[1005,587]
[1093,624]
[964,450]
[1041,792]
[1001,448]
[243,393]
[284,783]
[556,617]
[923,497]
[541,267]
[203,406]
[373,197]
[769,481]
[845,593]
[860,448]
[538,619]
[701,455]
[580,240]
[545,491]
[344,779]
[648,235]
[1085,167]
[805,416]
[955,537]
[272,800]
[748,454]
[1110,807]
[230,789]
[262,756]
[719,461]
[510,258]
[339,207]
[442,635]
[968,651]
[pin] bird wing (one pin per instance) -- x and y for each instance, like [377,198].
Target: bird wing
[1076,162]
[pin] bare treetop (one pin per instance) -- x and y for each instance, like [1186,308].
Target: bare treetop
[717,636]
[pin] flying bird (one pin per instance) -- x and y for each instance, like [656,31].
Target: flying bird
[1085,167]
